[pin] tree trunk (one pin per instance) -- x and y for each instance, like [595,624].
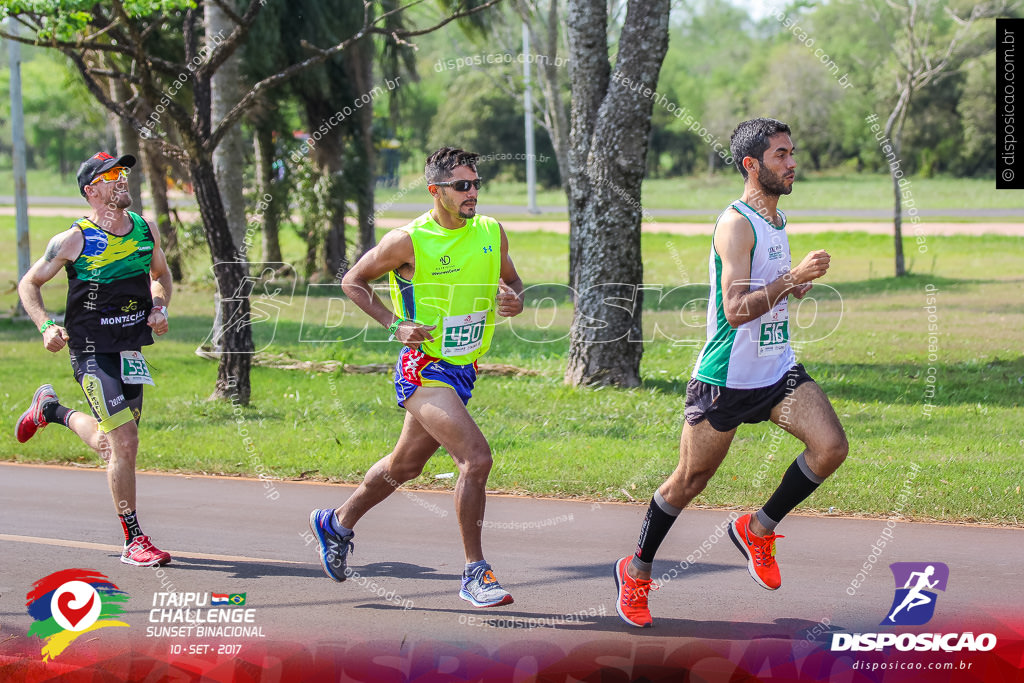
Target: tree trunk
[611,125]
[328,159]
[234,339]
[335,263]
[897,224]
[229,156]
[264,151]
[894,135]
[359,68]
[155,167]
[127,143]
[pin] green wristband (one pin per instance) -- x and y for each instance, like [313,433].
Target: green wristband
[393,328]
[45,325]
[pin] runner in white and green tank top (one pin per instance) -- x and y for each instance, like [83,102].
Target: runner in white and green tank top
[746,372]
[757,353]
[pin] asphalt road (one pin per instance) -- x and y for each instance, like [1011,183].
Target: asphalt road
[249,536]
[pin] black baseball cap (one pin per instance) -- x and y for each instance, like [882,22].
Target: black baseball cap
[101,162]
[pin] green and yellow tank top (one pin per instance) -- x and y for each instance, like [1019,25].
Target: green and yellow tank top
[454,285]
[109,298]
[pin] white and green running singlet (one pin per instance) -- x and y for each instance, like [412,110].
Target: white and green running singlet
[454,283]
[757,353]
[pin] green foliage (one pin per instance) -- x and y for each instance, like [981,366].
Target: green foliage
[67,20]
[472,98]
[63,125]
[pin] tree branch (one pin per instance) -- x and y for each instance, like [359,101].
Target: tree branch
[226,8]
[321,56]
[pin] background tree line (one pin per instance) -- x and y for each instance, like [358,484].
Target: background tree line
[244,121]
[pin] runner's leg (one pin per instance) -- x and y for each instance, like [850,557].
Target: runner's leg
[124,446]
[441,413]
[808,415]
[702,449]
[405,462]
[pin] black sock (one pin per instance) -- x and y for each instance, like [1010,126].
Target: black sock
[54,412]
[130,524]
[797,483]
[660,517]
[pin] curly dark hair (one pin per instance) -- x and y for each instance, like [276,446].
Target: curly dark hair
[750,139]
[441,164]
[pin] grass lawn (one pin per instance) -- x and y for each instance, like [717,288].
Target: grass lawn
[864,337]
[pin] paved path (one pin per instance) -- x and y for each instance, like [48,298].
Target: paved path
[236,535]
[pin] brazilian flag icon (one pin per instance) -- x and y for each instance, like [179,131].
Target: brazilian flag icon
[237,599]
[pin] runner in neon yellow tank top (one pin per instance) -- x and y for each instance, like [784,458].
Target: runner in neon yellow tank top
[450,273]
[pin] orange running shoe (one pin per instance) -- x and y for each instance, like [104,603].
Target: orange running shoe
[759,551]
[632,602]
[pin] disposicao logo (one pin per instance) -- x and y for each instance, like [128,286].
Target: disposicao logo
[914,605]
[69,603]
[916,582]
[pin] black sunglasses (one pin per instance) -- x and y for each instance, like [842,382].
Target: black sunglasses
[461,185]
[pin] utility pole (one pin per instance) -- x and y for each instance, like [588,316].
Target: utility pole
[18,133]
[531,150]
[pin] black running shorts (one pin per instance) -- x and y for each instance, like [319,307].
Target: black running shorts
[113,402]
[726,409]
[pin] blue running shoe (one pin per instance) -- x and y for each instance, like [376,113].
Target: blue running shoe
[482,589]
[334,549]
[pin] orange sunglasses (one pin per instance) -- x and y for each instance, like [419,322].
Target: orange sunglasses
[113,175]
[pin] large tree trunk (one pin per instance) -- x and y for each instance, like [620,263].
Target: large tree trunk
[264,150]
[335,263]
[359,68]
[127,143]
[234,338]
[611,125]
[229,156]
[155,166]
[328,160]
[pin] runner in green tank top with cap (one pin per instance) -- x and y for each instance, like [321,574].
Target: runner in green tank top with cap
[747,372]
[118,290]
[450,274]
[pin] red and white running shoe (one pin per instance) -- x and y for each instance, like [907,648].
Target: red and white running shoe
[32,420]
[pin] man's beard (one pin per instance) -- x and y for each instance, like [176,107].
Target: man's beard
[771,183]
[119,200]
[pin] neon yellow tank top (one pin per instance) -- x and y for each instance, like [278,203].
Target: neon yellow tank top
[453,286]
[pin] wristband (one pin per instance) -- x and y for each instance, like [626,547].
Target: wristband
[162,309]
[45,325]
[393,328]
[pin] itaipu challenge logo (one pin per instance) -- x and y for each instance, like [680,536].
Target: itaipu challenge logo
[70,603]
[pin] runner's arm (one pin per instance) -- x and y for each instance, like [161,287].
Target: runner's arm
[734,240]
[392,253]
[510,286]
[62,249]
[159,286]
